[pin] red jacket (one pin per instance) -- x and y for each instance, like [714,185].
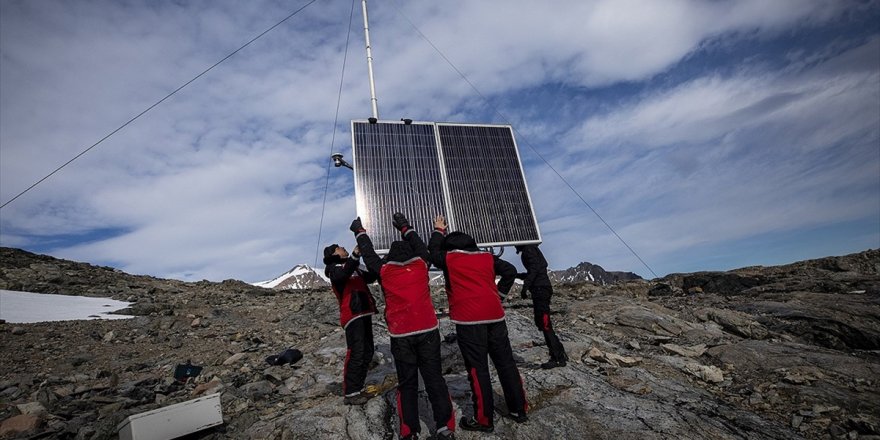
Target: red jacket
[473,295]
[408,306]
[351,290]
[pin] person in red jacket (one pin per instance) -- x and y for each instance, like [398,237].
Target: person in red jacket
[475,308]
[413,326]
[356,308]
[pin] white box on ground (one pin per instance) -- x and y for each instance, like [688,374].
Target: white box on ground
[174,420]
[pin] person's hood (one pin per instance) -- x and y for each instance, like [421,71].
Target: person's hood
[521,247]
[400,251]
[459,241]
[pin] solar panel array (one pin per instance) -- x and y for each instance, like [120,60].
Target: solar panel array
[471,174]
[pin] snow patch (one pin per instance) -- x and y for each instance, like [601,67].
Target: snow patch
[27,307]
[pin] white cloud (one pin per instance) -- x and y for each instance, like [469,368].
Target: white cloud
[225,179]
[719,159]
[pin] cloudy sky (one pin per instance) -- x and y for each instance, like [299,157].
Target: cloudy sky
[709,134]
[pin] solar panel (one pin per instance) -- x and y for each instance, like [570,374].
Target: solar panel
[469,173]
[396,170]
[486,185]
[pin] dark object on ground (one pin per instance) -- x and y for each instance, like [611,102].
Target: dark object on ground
[553,363]
[185,371]
[289,356]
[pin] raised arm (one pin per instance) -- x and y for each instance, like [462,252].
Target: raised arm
[438,259]
[368,275]
[365,246]
[411,236]
[339,275]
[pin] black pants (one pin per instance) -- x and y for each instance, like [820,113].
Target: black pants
[420,354]
[478,343]
[359,340]
[541,303]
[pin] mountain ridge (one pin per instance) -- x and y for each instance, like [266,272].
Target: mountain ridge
[303,276]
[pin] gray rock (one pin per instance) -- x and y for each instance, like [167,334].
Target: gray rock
[257,390]
[234,358]
[735,322]
[32,408]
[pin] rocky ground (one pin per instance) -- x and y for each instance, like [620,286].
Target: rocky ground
[759,353]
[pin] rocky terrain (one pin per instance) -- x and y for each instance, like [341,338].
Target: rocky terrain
[783,352]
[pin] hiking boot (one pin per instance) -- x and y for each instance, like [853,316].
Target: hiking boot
[518,418]
[444,434]
[469,424]
[357,399]
[553,363]
[413,436]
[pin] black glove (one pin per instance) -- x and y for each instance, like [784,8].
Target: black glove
[400,222]
[356,226]
[524,294]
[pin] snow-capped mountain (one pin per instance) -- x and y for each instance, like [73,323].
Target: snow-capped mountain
[589,272]
[302,276]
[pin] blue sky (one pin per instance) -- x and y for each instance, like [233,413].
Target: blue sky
[710,134]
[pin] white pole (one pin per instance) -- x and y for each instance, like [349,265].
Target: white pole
[373,101]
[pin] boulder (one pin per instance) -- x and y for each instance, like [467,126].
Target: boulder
[20,424]
[31,408]
[734,322]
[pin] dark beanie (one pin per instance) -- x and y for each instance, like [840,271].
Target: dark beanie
[400,251]
[459,241]
[328,253]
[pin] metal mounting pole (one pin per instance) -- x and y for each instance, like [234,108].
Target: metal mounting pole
[373,101]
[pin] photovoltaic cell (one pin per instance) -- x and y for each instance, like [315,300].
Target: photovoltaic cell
[469,173]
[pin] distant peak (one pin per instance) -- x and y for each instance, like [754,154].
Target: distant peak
[586,271]
[300,276]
